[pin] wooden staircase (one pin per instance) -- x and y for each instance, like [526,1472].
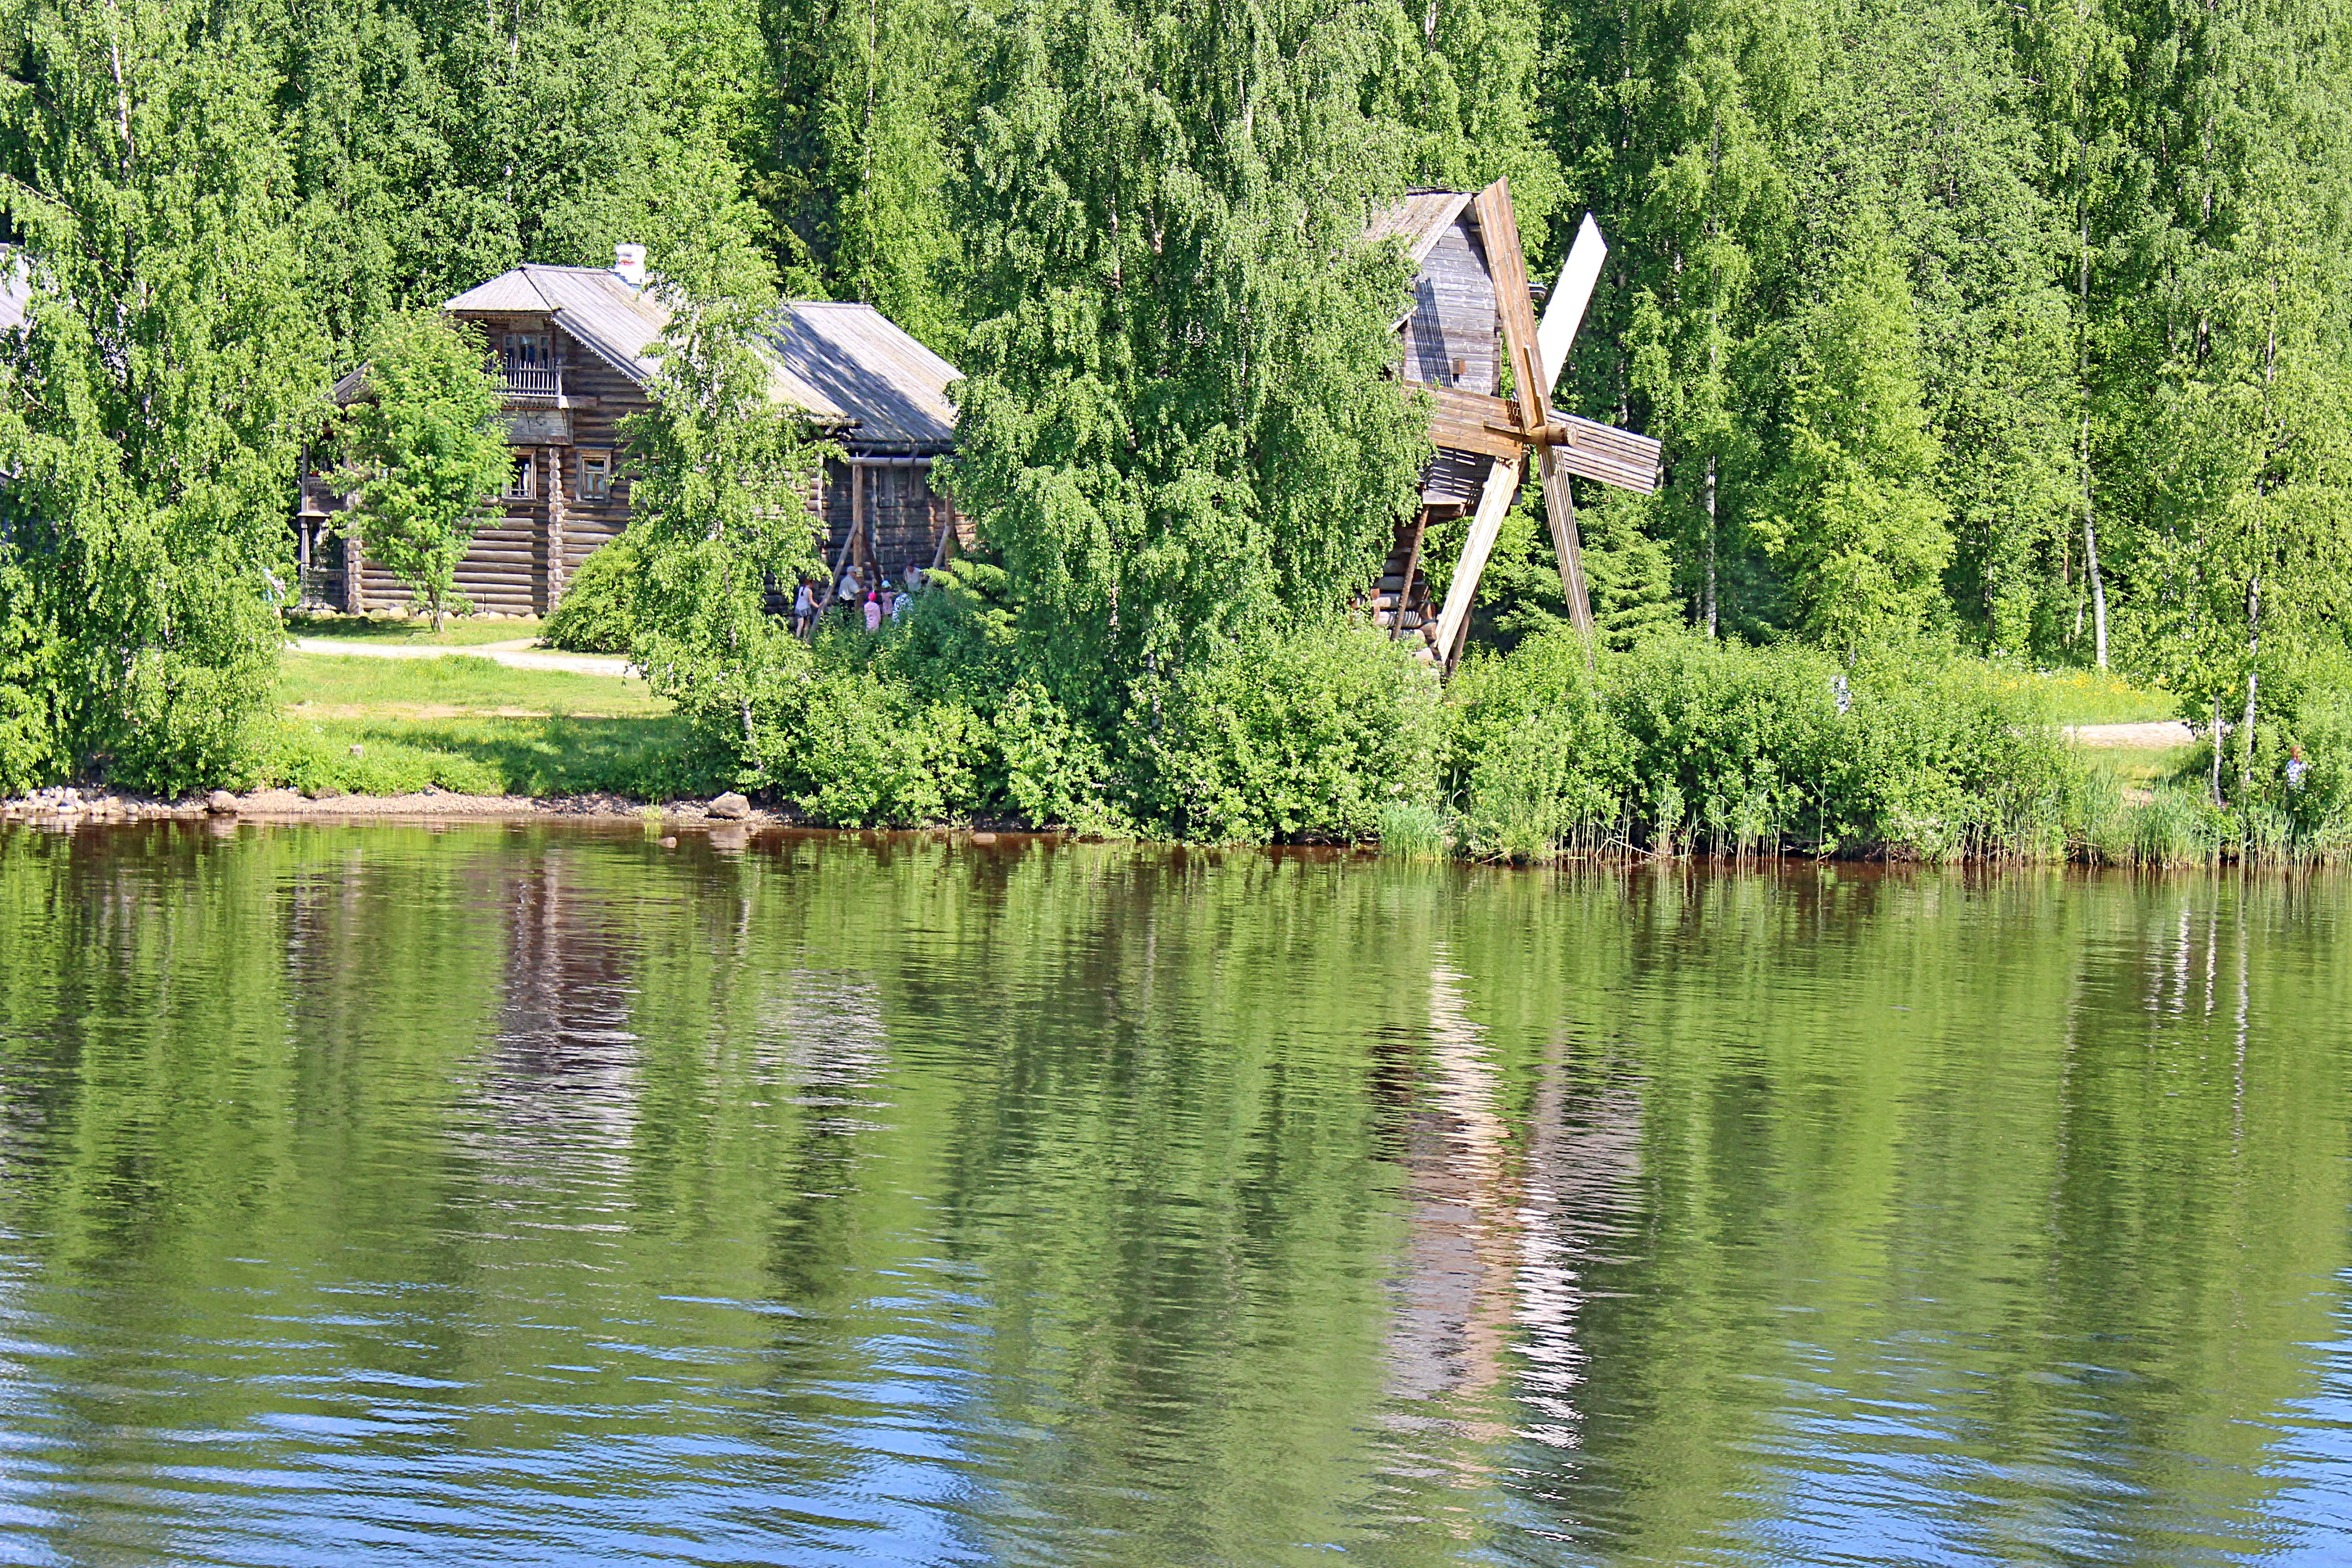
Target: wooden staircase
[1400,603]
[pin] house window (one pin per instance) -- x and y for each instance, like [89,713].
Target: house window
[528,351]
[595,476]
[521,477]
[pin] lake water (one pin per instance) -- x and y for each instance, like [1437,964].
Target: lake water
[533,1195]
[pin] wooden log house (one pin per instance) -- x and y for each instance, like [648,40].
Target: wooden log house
[572,343]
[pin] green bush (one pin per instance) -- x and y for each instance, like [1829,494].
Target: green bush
[864,753]
[1685,743]
[594,614]
[1294,739]
[1533,766]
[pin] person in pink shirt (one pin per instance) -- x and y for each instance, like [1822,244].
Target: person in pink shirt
[873,612]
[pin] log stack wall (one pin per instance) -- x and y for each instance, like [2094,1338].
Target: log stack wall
[523,559]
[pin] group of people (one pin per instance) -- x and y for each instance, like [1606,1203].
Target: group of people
[881,602]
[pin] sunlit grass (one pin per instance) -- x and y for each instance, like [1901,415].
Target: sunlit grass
[2096,697]
[417,629]
[372,726]
[454,686]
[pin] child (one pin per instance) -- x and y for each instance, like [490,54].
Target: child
[873,611]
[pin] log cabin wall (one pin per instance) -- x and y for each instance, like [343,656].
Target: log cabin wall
[567,341]
[1450,340]
[903,512]
[567,496]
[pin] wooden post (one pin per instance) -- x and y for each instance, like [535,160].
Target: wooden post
[1412,565]
[857,525]
[1494,501]
[354,572]
[554,527]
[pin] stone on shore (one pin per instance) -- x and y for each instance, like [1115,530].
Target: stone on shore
[730,807]
[220,803]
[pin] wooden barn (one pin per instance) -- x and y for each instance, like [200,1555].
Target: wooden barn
[571,342]
[1471,343]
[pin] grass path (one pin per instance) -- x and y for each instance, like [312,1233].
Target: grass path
[518,653]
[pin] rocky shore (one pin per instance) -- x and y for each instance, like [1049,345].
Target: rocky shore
[66,806]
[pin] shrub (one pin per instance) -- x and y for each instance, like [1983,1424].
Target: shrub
[1684,743]
[1532,764]
[594,614]
[1297,738]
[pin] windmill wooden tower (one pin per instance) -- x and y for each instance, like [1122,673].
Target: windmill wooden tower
[1472,317]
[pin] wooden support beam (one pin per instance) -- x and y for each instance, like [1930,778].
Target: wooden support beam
[1559,511]
[1499,227]
[1494,502]
[1517,307]
[1412,565]
[857,525]
[1604,454]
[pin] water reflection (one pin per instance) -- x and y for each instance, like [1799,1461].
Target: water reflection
[533,1195]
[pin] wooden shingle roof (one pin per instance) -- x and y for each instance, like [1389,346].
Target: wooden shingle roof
[1420,220]
[850,367]
[855,359]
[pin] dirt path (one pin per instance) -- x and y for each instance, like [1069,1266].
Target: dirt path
[517,654]
[2153,736]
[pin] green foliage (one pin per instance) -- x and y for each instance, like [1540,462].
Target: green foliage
[854,750]
[1857,524]
[720,470]
[598,612]
[423,453]
[1691,744]
[154,399]
[1300,739]
[1175,427]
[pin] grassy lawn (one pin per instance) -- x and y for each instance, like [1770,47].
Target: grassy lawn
[2132,772]
[2089,697]
[394,726]
[454,687]
[364,628]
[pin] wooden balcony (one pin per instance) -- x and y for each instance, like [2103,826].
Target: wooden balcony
[533,383]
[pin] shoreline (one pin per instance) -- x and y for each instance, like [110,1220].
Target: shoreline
[70,805]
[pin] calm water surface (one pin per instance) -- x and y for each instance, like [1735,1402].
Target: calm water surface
[383,1194]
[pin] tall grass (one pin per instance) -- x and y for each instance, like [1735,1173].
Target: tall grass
[1411,830]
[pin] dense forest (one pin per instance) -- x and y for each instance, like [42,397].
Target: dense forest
[2018,328]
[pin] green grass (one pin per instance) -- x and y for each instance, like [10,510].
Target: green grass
[2092,696]
[425,688]
[469,725]
[365,628]
[2122,770]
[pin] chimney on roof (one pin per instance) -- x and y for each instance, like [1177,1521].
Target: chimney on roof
[629,265]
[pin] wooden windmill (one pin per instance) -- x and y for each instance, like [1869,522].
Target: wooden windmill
[1472,314]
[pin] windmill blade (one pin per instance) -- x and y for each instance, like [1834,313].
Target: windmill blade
[1564,311]
[1507,264]
[1502,489]
[1559,511]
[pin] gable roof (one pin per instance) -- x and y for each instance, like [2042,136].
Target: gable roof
[850,366]
[1420,220]
[616,321]
[855,359]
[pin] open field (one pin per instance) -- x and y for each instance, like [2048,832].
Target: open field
[396,726]
[2134,773]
